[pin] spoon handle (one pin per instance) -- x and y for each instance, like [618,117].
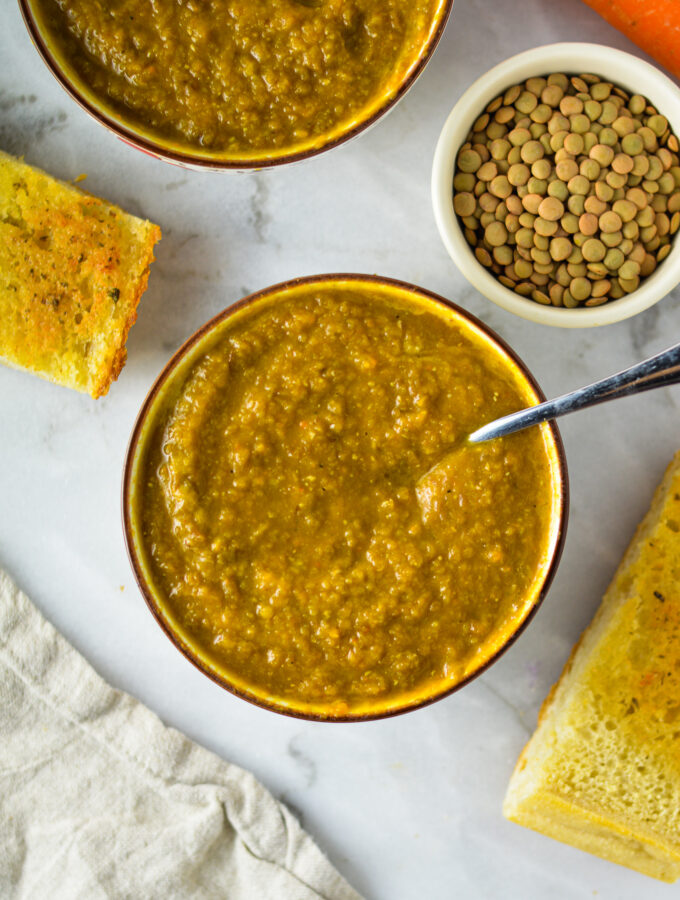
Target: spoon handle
[657,371]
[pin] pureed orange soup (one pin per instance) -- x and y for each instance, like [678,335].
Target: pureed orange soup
[314,526]
[242,77]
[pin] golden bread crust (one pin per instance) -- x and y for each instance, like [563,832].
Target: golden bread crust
[602,770]
[72,271]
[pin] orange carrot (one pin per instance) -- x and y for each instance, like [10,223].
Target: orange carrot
[654,25]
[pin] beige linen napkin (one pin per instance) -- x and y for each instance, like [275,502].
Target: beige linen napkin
[99,799]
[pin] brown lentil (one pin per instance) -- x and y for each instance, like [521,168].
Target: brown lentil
[595,176]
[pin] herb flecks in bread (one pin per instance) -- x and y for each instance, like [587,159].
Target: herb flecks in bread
[72,271]
[602,771]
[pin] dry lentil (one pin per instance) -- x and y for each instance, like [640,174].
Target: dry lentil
[595,177]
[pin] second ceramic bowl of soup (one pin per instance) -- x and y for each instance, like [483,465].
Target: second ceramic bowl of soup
[236,85]
[305,517]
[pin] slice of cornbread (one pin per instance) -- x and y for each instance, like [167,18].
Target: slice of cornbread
[602,770]
[72,270]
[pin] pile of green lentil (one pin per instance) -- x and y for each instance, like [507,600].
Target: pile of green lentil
[568,188]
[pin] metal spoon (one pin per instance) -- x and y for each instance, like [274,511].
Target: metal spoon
[657,371]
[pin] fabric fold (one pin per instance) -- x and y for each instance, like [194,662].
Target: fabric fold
[100,799]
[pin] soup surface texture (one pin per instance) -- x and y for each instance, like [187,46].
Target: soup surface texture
[310,516]
[242,76]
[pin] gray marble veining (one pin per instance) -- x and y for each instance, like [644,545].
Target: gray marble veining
[409,807]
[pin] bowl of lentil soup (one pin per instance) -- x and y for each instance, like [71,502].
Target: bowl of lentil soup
[651,262]
[305,518]
[242,84]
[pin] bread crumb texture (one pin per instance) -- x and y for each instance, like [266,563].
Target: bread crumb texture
[72,271]
[602,771]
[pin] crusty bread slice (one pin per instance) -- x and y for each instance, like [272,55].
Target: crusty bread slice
[72,270]
[602,770]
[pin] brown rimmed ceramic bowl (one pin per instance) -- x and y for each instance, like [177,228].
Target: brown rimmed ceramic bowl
[172,377]
[195,158]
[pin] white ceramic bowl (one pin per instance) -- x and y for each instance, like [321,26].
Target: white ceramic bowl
[622,69]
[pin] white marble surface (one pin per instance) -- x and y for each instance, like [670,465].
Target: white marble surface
[409,807]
